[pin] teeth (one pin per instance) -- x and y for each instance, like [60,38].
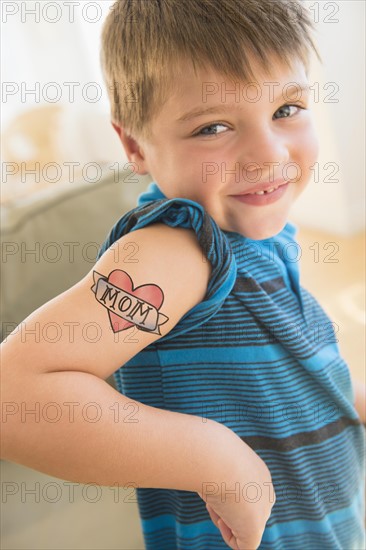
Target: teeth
[269,190]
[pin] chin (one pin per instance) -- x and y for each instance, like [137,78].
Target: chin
[261,234]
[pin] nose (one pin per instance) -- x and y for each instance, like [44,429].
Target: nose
[267,151]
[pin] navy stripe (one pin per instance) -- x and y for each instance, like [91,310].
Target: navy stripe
[251,285]
[287,444]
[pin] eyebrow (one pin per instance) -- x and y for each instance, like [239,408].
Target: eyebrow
[199,111]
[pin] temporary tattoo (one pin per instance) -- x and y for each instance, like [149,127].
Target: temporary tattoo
[128,306]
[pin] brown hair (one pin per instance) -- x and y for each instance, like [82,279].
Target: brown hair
[145,41]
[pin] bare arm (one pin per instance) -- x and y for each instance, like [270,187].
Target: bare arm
[82,429]
[109,439]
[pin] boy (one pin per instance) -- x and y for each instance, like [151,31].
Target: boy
[236,417]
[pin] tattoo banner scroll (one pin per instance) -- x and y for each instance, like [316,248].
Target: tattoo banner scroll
[136,306]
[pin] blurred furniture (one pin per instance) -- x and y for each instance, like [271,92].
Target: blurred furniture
[50,238]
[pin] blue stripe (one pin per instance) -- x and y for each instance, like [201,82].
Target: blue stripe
[296,527]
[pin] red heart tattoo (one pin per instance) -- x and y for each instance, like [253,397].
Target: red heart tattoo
[152,294]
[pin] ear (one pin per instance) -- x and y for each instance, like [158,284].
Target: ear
[133,150]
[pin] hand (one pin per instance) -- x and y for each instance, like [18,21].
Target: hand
[242,522]
[231,537]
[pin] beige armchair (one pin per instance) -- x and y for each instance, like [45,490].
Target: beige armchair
[50,239]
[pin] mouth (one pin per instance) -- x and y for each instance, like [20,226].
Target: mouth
[265,194]
[264,188]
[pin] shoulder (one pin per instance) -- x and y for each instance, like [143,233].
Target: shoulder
[169,258]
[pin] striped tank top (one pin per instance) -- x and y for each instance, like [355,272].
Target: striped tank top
[259,355]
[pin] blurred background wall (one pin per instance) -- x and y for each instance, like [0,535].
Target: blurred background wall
[335,199]
[55,106]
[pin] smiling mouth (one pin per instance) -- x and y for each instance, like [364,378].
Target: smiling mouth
[265,189]
[265,192]
[263,197]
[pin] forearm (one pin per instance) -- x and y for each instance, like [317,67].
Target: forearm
[115,441]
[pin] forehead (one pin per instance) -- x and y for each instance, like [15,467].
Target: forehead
[207,86]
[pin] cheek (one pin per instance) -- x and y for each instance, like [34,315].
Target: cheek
[307,151]
[186,179]
[200,176]
[313,147]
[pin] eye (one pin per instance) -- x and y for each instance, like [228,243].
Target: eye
[285,110]
[202,132]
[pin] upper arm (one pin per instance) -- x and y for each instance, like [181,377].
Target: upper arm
[84,328]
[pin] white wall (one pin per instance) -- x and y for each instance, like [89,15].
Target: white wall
[338,206]
[59,44]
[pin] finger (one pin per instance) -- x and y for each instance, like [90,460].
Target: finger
[216,519]
[212,514]
[227,534]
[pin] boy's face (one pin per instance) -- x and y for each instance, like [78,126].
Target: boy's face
[254,138]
